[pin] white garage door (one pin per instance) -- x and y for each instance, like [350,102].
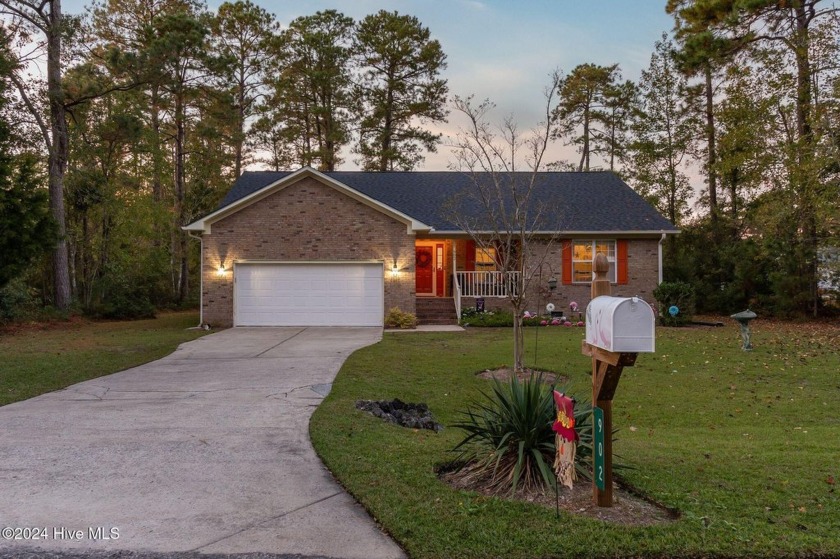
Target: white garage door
[344,294]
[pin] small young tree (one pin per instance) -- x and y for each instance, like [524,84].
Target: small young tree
[504,167]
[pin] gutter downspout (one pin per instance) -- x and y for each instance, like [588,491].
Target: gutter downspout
[661,240]
[201,279]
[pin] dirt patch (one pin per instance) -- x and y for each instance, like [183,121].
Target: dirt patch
[629,507]
[505,373]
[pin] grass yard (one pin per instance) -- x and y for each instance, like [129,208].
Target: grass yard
[745,445]
[46,357]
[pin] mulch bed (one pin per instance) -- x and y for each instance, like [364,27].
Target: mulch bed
[505,373]
[629,508]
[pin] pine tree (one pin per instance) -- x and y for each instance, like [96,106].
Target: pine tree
[26,227]
[401,85]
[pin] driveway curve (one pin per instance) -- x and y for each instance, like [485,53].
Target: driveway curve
[205,451]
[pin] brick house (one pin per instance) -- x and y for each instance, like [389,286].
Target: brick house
[307,248]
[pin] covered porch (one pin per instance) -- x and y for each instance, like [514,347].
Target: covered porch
[454,269]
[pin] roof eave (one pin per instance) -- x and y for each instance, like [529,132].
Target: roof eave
[204,224]
[623,233]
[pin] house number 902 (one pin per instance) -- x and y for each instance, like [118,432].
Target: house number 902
[598,415]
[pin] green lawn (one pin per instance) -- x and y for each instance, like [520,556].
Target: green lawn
[38,359]
[745,445]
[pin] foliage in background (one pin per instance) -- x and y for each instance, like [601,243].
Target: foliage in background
[162,106]
[157,107]
[26,228]
[310,86]
[16,301]
[594,113]
[663,132]
[400,91]
[675,294]
[775,63]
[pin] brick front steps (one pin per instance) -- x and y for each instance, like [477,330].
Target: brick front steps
[436,310]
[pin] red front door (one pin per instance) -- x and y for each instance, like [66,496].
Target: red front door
[425,269]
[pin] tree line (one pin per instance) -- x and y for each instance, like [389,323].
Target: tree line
[149,109]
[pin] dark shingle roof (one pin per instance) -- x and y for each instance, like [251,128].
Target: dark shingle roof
[595,201]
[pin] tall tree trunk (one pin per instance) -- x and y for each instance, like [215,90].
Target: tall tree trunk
[584,157]
[806,179]
[157,166]
[384,157]
[612,141]
[733,194]
[180,196]
[710,141]
[240,127]
[328,159]
[57,156]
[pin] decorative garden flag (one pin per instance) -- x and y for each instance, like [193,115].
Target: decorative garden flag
[565,440]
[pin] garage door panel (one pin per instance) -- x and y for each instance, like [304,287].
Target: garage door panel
[345,294]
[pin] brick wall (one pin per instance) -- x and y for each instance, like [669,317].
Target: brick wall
[642,276]
[305,221]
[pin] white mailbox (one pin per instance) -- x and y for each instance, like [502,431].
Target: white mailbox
[620,324]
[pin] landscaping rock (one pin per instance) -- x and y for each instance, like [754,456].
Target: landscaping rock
[413,416]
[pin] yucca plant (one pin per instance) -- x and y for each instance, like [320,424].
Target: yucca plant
[509,442]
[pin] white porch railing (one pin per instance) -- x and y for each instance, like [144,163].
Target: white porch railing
[457,297]
[485,284]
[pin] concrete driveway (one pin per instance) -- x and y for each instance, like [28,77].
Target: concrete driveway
[206,450]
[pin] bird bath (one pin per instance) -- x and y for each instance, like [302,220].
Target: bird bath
[744,318]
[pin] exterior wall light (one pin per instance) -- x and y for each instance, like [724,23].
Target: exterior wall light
[221,271]
[395,271]
[552,283]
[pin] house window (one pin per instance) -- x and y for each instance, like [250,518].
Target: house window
[583,251]
[485,259]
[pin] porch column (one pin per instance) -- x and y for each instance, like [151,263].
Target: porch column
[454,258]
[456,288]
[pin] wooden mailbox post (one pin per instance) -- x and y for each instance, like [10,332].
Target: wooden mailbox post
[607,366]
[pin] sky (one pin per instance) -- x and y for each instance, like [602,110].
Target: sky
[505,50]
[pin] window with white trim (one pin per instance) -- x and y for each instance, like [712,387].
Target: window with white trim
[583,251]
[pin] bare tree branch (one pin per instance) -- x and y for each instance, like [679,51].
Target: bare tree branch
[38,19]
[36,114]
[500,211]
